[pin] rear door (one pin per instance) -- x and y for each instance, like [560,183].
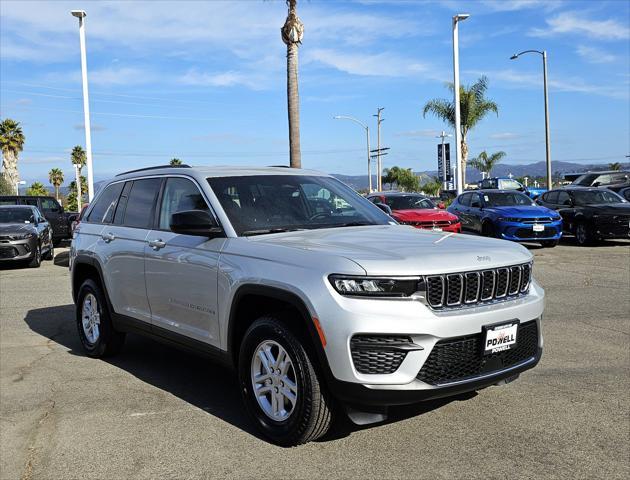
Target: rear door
[56,217]
[181,270]
[475,213]
[122,244]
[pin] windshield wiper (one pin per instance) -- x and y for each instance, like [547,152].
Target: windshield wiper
[263,231]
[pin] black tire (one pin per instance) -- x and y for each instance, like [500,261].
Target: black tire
[57,242]
[109,341]
[312,412]
[549,243]
[583,235]
[36,261]
[50,254]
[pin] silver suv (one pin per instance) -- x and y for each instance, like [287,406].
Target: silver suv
[313,294]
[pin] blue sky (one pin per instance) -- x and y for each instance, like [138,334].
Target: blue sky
[206,81]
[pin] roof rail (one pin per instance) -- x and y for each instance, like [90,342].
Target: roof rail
[280,166]
[154,168]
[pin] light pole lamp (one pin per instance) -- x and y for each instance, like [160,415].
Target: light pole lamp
[367,138]
[80,14]
[17,186]
[547,136]
[458,134]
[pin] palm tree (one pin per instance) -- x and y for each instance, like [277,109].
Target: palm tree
[174,162]
[37,189]
[473,108]
[11,142]
[292,33]
[616,166]
[485,163]
[391,176]
[432,187]
[78,157]
[55,177]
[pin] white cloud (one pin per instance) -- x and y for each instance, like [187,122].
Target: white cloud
[504,136]
[418,133]
[579,24]
[514,5]
[595,55]
[515,78]
[222,79]
[377,65]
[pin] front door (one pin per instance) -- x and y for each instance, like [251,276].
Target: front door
[181,270]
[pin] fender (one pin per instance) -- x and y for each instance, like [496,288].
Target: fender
[285,296]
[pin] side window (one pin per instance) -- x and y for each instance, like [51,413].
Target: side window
[563,198]
[552,197]
[475,201]
[29,201]
[103,210]
[179,195]
[465,199]
[49,205]
[122,204]
[141,203]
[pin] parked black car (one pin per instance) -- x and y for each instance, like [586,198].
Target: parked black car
[51,209]
[591,214]
[25,235]
[625,193]
[600,179]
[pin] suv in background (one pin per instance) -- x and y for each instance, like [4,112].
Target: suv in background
[600,179]
[506,183]
[50,208]
[309,290]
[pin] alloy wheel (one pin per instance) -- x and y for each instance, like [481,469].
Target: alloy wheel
[274,381]
[90,318]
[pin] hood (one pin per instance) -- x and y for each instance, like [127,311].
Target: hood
[423,214]
[13,228]
[524,211]
[611,209]
[403,250]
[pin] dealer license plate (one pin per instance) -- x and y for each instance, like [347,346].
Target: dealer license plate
[539,228]
[437,229]
[500,337]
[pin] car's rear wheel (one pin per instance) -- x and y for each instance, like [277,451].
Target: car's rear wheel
[50,254]
[36,261]
[549,243]
[96,331]
[280,386]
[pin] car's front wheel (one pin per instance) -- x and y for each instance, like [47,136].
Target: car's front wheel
[36,261]
[96,331]
[549,243]
[583,235]
[280,386]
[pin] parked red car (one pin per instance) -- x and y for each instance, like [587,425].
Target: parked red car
[417,210]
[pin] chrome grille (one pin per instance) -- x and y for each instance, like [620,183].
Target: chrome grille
[470,288]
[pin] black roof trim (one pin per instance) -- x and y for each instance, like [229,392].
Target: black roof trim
[157,167]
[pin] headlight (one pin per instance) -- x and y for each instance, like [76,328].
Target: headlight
[376,286]
[22,236]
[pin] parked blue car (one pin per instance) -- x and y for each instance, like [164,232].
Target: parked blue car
[505,183]
[507,214]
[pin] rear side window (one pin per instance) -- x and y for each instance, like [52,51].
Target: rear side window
[141,203]
[551,197]
[49,205]
[105,206]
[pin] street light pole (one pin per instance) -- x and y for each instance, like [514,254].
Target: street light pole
[17,186]
[77,173]
[367,138]
[458,133]
[547,135]
[80,14]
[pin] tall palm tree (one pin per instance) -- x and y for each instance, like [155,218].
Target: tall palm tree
[473,108]
[174,162]
[292,33]
[390,176]
[616,166]
[11,142]
[55,177]
[78,157]
[485,163]
[37,189]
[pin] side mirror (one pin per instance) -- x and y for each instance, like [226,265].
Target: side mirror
[441,206]
[195,222]
[384,207]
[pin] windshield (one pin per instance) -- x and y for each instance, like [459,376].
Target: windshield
[408,202]
[509,184]
[595,197]
[16,215]
[506,199]
[262,204]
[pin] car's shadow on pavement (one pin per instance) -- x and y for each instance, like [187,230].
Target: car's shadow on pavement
[196,380]
[62,259]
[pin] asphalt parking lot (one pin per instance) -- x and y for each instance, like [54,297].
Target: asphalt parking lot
[154,412]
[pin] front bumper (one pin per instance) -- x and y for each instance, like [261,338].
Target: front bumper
[524,232]
[427,329]
[454,227]
[612,229]
[17,250]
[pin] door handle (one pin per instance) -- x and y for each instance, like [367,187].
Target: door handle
[157,244]
[108,237]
